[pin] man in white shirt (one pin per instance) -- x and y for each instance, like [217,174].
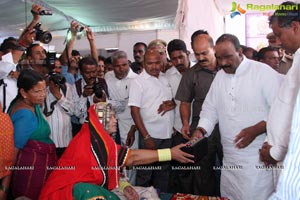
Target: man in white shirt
[8,83]
[152,109]
[239,100]
[59,107]
[10,54]
[287,29]
[118,83]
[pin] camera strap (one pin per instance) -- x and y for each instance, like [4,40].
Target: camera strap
[4,94]
[45,111]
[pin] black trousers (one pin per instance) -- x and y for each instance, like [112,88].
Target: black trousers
[156,174]
[199,178]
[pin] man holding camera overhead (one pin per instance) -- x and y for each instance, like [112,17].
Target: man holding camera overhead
[89,89]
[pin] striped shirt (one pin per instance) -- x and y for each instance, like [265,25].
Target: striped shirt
[288,187]
[60,119]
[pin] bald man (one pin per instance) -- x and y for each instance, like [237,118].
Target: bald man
[152,109]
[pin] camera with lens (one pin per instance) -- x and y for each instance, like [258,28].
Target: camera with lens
[57,78]
[98,89]
[42,36]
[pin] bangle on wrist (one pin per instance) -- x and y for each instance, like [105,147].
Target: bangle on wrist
[147,137]
[20,43]
[123,185]
[3,188]
[21,46]
[164,155]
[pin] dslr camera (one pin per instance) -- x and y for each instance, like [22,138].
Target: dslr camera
[58,80]
[98,89]
[42,36]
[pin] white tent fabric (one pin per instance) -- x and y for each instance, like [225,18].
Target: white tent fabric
[193,15]
[100,15]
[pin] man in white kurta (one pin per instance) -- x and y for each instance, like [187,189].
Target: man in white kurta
[239,99]
[288,185]
[287,29]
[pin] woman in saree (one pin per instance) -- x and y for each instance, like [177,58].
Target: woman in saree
[34,150]
[89,168]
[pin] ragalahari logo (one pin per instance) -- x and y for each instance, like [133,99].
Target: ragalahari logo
[236,10]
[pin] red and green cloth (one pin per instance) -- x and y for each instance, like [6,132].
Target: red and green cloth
[91,157]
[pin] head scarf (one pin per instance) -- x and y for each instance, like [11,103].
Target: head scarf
[94,155]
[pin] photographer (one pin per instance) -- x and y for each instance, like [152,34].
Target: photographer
[59,107]
[70,57]
[36,56]
[90,89]
[10,54]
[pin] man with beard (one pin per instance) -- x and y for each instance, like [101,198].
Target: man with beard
[192,89]
[152,109]
[139,50]
[118,82]
[239,99]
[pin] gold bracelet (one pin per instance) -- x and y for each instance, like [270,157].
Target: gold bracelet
[164,155]
[147,137]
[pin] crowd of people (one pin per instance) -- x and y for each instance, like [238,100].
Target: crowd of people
[93,127]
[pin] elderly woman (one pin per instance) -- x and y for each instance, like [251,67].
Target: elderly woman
[91,163]
[34,150]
